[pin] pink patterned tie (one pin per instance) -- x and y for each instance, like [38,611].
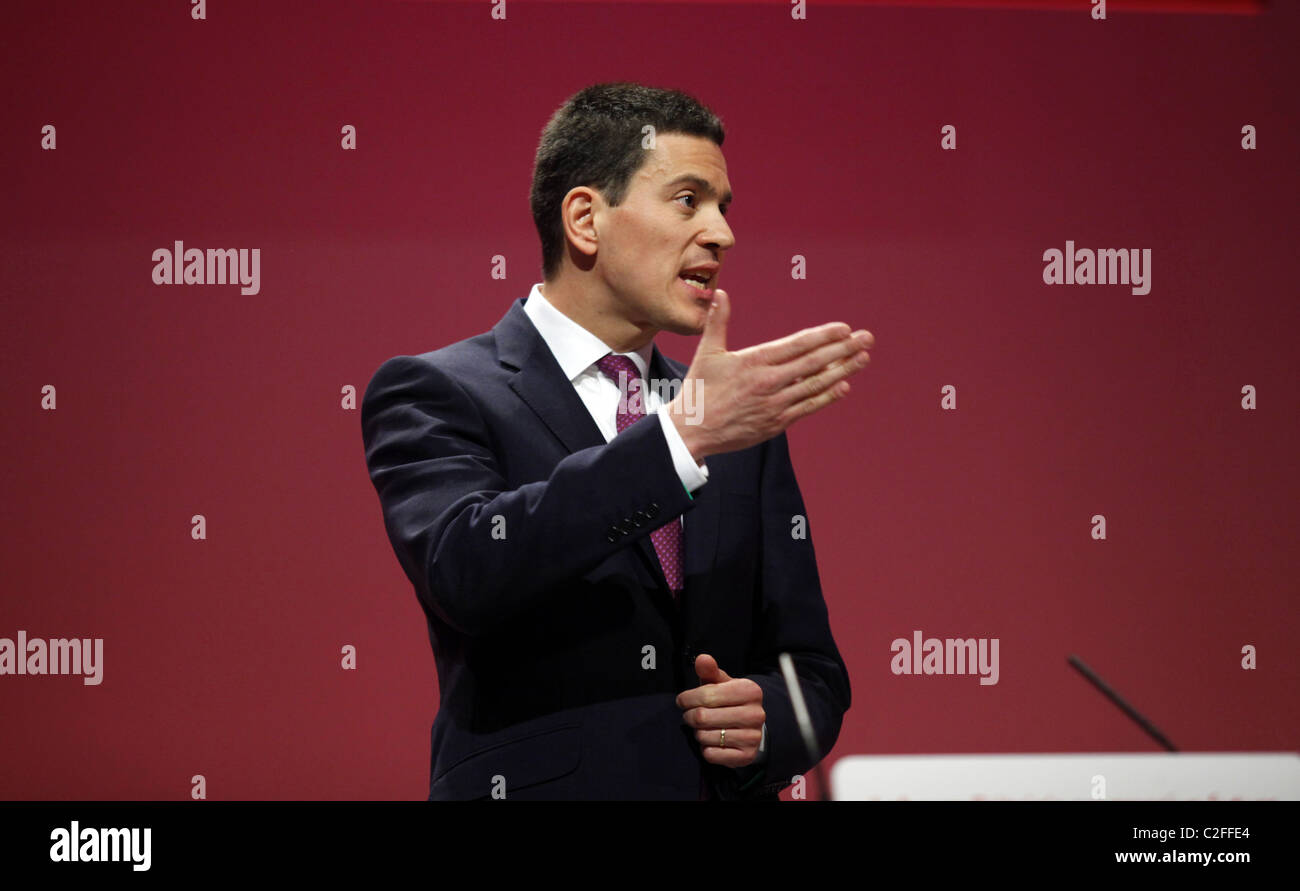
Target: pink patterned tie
[668,537]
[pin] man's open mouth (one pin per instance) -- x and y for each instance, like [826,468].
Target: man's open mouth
[698,283]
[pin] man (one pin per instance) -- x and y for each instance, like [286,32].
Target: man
[609,575]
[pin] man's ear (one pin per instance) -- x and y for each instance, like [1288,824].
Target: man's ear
[578,213]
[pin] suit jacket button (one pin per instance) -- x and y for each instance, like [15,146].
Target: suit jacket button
[653,509]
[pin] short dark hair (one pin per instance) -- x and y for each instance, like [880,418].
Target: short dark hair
[594,139]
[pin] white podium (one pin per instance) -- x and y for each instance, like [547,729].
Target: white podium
[1162,776]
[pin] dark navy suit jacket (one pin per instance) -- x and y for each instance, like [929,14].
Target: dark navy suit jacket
[560,649]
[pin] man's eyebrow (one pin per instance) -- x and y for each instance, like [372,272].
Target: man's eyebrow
[700,183]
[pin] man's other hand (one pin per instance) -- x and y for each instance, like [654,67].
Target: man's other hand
[725,703]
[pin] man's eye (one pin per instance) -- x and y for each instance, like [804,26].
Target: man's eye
[722,208]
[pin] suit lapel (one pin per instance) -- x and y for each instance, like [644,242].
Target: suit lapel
[541,384]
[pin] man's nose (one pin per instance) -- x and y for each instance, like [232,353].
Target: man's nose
[719,235]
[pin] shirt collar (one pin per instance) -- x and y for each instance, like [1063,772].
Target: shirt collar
[575,348]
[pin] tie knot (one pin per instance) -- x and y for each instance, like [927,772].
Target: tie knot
[612,365]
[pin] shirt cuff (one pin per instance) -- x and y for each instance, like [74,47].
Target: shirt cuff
[692,475]
[762,746]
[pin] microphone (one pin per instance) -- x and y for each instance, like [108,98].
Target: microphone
[805,723]
[1114,697]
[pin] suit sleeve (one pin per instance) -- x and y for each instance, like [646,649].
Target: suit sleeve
[479,553]
[792,618]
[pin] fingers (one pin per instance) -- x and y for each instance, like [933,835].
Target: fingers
[805,407]
[778,352]
[729,757]
[810,373]
[740,716]
[819,385]
[851,352]
[736,738]
[724,703]
[804,388]
[737,691]
[740,749]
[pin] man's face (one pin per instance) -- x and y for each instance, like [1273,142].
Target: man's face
[670,221]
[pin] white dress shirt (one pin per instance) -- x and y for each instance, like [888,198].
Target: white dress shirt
[577,350]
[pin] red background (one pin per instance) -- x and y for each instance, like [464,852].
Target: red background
[222,656]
